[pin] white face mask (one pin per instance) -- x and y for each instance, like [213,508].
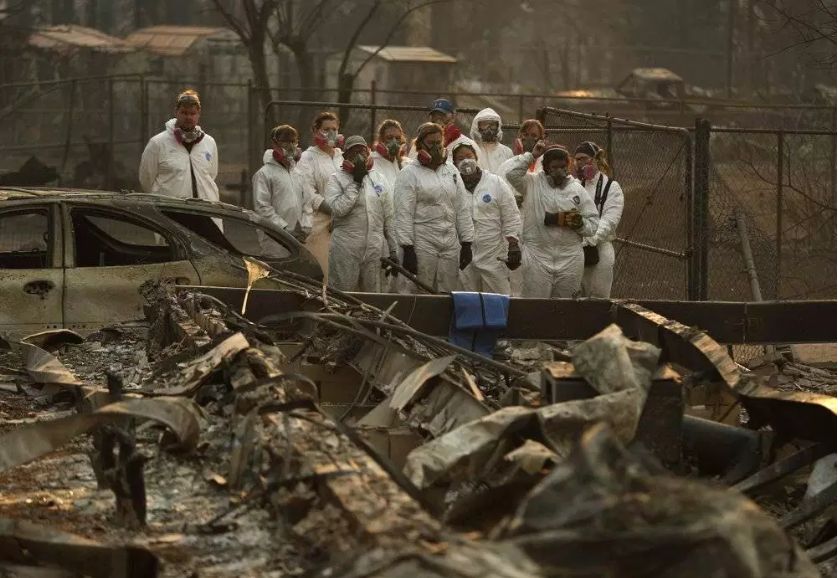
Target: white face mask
[467,167]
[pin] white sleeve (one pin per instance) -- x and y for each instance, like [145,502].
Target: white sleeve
[311,198]
[148,166]
[463,206]
[515,171]
[389,217]
[404,192]
[510,216]
[611,214]
[214,161]
[341,198]
[262,201]
[588,210]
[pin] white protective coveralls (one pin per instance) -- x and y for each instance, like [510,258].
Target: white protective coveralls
[361,216]
[516,277]
[432,214]
[597,279]
[278,194]
[496,217]
[166,166]
[490,155]
[315,167]
[389,170]
[553,260]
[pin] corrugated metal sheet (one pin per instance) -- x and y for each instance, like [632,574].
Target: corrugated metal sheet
[174,40]
[68,37]
[410,54]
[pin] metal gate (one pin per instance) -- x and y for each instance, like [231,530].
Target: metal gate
[654,166]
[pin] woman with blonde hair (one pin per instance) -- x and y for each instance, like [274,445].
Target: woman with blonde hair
[388,150]
[594,173]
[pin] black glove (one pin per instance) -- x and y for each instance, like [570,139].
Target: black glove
[359,172]
[551,219]
[298,233]
[465,255]
[513,256]
[574,220]
[409,259]
[389,270]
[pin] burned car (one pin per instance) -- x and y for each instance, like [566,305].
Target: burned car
[76,259]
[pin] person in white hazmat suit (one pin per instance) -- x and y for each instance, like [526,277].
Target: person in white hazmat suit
[362,212]
[388,157]
[530,132]
[497,225]
[557,214]
[277,188]
[487,133]
[388,152]
[181,161]
[593,171]
[317,163]
[444,114]
[433,217]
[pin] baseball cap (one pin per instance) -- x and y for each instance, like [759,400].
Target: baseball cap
[354,141]
[442,105]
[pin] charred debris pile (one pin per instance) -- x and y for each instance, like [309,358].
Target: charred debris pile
[337,441]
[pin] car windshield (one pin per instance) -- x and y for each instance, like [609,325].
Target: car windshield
[237,236]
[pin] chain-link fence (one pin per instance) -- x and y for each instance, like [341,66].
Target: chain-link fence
[79,133]
[90,133]
[782,186]
[653,165]
[681,234]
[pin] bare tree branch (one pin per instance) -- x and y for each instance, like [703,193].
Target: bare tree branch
[353,40]
[395,29]
[829,35]
[232,21]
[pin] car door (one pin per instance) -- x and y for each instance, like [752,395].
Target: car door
[240,237]
[31,273]
[110,254]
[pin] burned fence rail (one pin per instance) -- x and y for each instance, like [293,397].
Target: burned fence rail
[555,319]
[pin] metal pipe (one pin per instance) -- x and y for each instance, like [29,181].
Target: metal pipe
[651,248]
[772,131]
[748,256]
[409,275]
[750,265]
[604,118]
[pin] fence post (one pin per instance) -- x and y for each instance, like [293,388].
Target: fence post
[251,129]
[143,112]
[608,135]
[372,112]
[520,109]
[779,232]
[700,212]
[68,141]
[111,151]
[688,191]
[541,115]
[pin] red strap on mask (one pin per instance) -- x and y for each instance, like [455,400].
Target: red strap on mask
[382,150]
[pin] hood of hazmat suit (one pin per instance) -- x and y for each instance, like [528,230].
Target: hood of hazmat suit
[490,155]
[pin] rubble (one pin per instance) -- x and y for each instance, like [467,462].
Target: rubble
[280,443]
